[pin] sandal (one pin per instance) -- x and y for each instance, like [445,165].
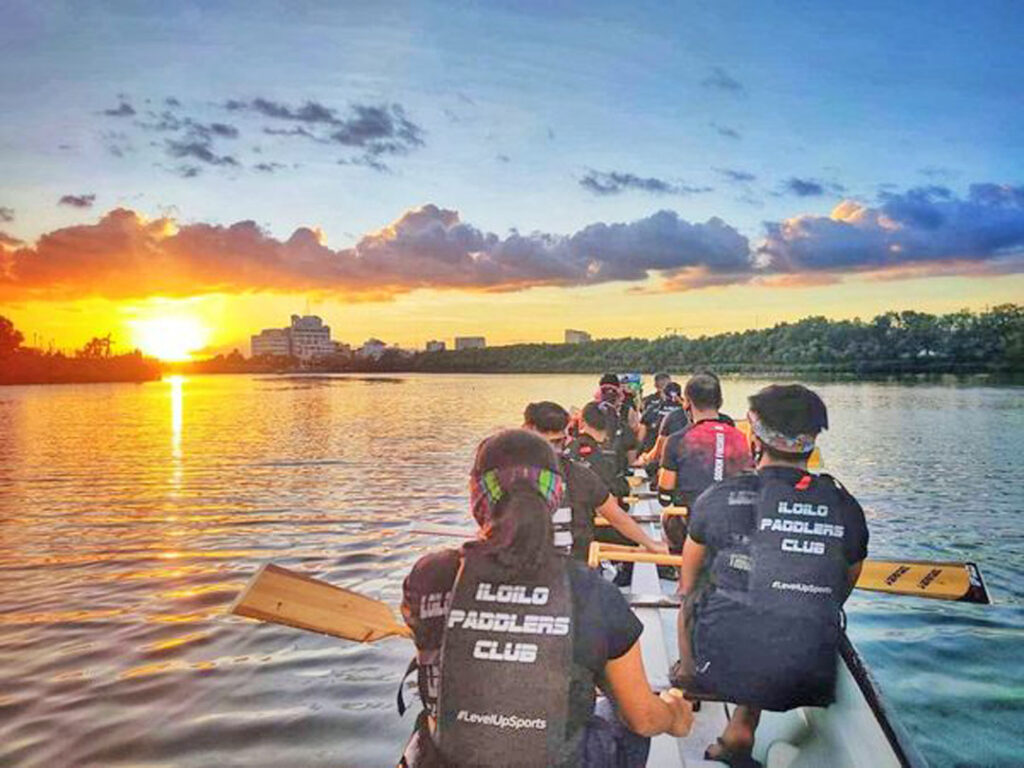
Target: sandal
[731,758]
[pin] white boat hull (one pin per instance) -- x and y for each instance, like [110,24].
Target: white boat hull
[856,731]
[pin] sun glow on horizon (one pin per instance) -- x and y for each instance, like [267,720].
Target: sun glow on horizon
[172,338]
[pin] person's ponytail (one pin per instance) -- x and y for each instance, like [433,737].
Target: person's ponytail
[521,534]
[516,479]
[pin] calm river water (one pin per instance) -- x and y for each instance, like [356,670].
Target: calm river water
[131,515]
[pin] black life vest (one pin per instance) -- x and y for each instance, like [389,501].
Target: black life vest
[506,662]
[573,522]
[654,417]
[795,558]
[603,459]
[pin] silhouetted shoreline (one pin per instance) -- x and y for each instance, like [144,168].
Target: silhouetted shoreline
[893,344]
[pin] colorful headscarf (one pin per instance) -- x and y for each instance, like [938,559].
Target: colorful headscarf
[486,490]
[778,440]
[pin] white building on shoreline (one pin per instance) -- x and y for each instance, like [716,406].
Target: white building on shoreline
[470,342]
[306,338]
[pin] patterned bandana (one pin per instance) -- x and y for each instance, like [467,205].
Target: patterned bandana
[777,440]
[486,490]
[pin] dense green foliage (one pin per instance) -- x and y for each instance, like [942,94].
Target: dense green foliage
[895,342]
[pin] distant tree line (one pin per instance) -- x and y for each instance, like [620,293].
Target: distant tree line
[890,344]
[94,362]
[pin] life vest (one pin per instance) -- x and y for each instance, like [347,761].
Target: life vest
[506,662]
[795,558]
[572,523]
[654,414]
[603,459]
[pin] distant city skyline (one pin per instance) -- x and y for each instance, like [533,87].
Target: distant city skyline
[511,172]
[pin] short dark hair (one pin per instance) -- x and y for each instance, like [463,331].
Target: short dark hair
[672,389]
[546,416]
[660,377]
[593,414]
[704,390]
[609,378]
[791,409]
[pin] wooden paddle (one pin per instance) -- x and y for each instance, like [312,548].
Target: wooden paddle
[465,532]
[936,580]
[281,596]
[285,597]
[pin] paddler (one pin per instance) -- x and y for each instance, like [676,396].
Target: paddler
[654,409]
[594,446]
[623,419]
[770,558]
[705,451]
[669,417]
[512,636]
[586,493]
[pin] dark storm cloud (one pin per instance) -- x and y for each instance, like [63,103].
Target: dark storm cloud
[77,201]
[720,80]
[268,167]
[617,182]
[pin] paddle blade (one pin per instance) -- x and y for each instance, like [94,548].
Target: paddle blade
[940,581]
[281,596]
[935,580]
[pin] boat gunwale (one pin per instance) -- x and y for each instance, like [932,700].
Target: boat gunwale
[895,733]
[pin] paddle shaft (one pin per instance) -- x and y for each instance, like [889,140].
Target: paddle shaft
[936,580]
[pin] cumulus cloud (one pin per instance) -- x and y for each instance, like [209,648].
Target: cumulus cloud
[926,230]
[6,214]
[720,80]
[921,232]
[617,182]
[124,255]
[77,201]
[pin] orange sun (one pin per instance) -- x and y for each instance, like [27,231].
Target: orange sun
[171,337]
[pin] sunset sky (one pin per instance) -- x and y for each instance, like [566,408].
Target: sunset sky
[423,170]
